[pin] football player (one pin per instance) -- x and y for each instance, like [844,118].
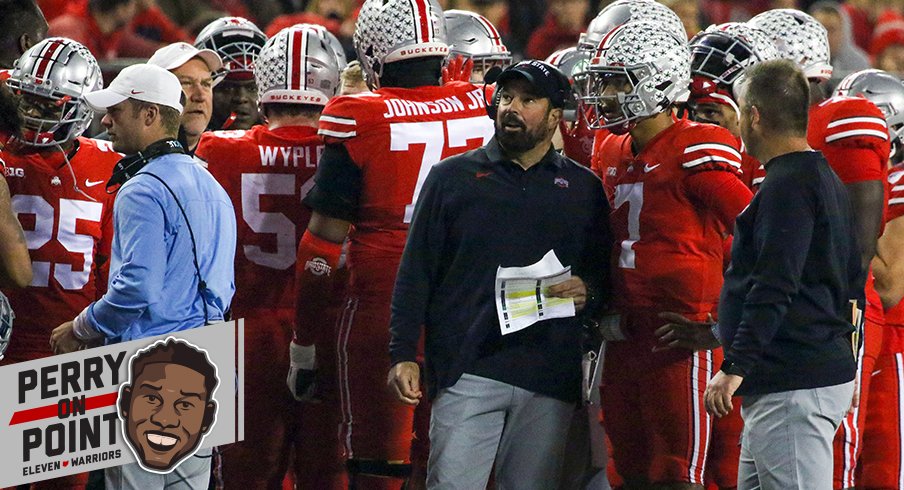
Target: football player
[473,42]
[266,171]
[380,147]
[852,134]
[615,14]
[57,180]
[238,42]
[676,194]
[880,460]
[719,56]
[573,137]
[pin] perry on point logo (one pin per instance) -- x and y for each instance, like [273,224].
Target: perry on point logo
[166,407]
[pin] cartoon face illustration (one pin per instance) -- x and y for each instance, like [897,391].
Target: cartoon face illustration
[167,405]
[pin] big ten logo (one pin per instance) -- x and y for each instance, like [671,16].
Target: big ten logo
[13,172]
[67,383]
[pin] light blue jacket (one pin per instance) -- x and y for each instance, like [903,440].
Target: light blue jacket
[153,286]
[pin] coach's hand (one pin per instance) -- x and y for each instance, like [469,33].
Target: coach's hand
[63,341]
[405,382]
[302,371]
[719,390]
[573,288]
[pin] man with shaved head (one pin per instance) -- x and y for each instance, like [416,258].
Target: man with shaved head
[21,26]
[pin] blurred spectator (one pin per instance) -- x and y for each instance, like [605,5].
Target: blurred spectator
[846,57]
[108,27]
[289,20]
[887,48]
[191,15]
[261,12]
[22,25]
[337,16]
[564,23]
[98,24]
[154,25]
[862,14]
[784,4]
[689,13]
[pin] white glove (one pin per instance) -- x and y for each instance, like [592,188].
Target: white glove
[302,371]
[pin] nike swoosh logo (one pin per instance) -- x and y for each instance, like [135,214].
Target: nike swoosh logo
[136,92]
[481,175]
[649,168]
[88,183]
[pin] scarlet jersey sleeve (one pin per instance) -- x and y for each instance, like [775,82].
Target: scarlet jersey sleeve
[65,213]
[852,134]
[705,147]
[266,174]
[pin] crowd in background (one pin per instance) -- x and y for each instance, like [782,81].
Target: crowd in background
[862,33]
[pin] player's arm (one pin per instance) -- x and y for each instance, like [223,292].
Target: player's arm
[713,165]
[16,263]
[888,264]
[334,204]
[867,201]
[856,145]
[415,279]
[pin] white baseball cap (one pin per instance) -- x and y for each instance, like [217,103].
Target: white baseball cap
[174,55]
[148,83]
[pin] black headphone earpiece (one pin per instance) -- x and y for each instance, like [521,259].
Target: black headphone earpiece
[489,78]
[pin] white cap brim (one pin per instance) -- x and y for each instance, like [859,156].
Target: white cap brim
[100,100]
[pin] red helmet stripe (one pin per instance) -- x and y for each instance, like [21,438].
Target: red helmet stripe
[491,29]
[296,41]
[48,55]
[421,10]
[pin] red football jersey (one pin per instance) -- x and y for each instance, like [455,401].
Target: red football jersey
[852,134]
[395,136]
[669,247]
[752,171]
[895,316]
[577,141]
[266,174]
[67,217]
[611,156]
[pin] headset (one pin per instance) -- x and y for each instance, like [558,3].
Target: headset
[129,167]
[557,99]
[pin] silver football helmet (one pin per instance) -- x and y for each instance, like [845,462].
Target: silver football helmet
[623,11]
[52,78]
[570,61]
[330,39]
[722,52]
[238,42]
[474,37]
[799,38]
[6,323]
[297,66]
[638,71]
[396,30]
[883,89]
